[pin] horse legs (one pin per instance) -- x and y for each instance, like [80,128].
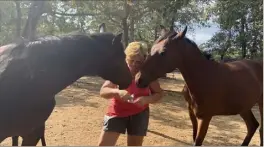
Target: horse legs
[30,140]
[261,121]
[194,122]
[43,140]
[15,140]
[203,124]
[252,125]
[33,138]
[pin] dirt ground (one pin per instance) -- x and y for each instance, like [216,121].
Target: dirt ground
[77,119]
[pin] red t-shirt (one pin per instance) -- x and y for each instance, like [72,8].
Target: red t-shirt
[120,108]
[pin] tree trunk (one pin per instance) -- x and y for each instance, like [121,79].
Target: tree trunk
[53,24]
[253,49]
[222,57]
[172,24]
[34,14]
[127,9]
[81,18]
[0,21]
[156,33]
[228,44]
[243,40]
[132,29]
[125,28]
[18,20]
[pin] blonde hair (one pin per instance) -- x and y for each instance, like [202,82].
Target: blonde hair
[136,48]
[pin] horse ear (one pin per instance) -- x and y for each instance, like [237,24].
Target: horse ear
[102,28]
[184,31]
[182,34]
[117,38]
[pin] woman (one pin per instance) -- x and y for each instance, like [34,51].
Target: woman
[129,109]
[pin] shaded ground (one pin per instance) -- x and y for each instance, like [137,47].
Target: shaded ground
[77,119]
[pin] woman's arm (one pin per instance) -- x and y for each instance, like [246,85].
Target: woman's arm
[109,90]
[157,93]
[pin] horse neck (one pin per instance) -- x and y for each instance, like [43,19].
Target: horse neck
[81,61]
[195,69]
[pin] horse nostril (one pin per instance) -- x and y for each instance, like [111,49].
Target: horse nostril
[140,83]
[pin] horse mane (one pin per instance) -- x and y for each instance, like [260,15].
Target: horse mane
[63,38]
[19,47]
[191,42]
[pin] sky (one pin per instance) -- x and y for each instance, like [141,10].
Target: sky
[201,35]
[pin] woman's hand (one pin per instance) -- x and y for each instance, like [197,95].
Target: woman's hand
[141,101]
[110,90]
[124,96]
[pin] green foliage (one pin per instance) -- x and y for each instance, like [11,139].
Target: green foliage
[243,19]
[240,21]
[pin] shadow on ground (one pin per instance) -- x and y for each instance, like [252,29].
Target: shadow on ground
[168,137]
[174,113]
[80,93]
[171,111]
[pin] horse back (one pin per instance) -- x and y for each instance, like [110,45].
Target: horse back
[239,86]
[247,74]
[254,67]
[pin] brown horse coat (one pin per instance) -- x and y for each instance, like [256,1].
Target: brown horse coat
[214,88]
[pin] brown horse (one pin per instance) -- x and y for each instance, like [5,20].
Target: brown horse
[187,97]
[33,72]
[215,88]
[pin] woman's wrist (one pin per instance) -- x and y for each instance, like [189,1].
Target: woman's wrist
[116,93]
[153,98]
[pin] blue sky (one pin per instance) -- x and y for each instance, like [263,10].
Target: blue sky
[201,35]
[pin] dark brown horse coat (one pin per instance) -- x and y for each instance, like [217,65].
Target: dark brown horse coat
[32,73]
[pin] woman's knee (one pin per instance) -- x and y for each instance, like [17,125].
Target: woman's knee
[108,138]
[134,140]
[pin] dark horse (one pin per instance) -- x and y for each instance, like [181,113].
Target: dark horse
[32,73]
[214,88]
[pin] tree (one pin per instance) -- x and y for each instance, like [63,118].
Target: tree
[242,19]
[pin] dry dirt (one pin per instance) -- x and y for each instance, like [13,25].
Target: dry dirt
[77,119]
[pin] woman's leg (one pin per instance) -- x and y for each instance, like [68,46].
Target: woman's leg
[108,138]
[137,128]
[112,128]
[133,140]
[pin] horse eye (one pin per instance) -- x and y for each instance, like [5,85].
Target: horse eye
[162,53]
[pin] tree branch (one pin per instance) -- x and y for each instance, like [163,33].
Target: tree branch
[69,14]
